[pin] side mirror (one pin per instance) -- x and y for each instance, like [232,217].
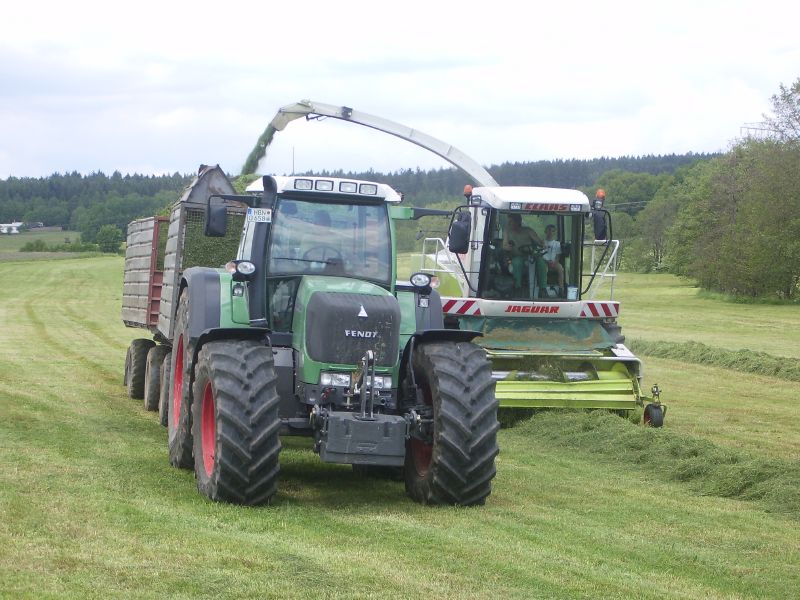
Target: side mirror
[216,220]
[458,237]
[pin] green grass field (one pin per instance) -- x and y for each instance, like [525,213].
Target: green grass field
[10,245]
[584,505]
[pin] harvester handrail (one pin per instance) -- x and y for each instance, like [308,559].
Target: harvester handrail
[609,270]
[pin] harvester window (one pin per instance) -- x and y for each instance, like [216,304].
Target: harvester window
[530,256]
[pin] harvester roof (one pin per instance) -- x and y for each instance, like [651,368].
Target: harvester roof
[330,185]
[533,198]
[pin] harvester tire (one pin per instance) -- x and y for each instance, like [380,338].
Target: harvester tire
[456,465]
[179,423]
[135,367]
[152,376]
[236,422]
[163,396]
[653,416]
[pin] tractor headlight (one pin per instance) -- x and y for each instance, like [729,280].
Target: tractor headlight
[241,270]
[421,280]
[383,382]
[334,379]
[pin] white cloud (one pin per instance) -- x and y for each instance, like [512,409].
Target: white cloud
[166,86]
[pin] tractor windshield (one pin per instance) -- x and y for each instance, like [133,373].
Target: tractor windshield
[532,256]
[348,240]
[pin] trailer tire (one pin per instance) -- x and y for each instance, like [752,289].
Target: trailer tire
[135,367]
[179,423]
[653,416]
[236,422]
[152,376]
[455,464]
[163,396]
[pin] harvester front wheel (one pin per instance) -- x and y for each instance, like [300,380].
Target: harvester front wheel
[653,416]
[454,463]
[135,367]
[236,422]
[152,376]
[179,422]
[163,396]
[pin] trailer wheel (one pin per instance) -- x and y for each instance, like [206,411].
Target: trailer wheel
[180,397]
[152,376]
[454,463]
[653,416]
[163,396]
[135,366]
[236,423]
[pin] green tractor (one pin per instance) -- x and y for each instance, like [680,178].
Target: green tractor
[305,331]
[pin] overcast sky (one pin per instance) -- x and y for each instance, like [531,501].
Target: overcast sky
[155,87]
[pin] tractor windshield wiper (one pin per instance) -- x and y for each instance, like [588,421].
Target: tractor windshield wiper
[308,260]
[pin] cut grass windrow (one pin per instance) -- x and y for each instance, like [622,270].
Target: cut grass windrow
[745,361]
[709,469]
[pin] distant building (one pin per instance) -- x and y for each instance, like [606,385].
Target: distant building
[10,227]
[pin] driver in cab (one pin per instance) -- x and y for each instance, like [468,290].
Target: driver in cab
[520,241]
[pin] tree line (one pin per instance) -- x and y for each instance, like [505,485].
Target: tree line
[732,222]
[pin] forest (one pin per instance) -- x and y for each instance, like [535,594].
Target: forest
[731,221]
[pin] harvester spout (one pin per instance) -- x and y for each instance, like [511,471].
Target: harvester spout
[308,109]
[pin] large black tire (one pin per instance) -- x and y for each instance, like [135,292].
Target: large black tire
[135,366]
[236,422]
[653,416]
[456,464]
[152,376]
[179,422]
[166,384]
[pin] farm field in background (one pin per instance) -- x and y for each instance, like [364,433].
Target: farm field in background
[10,244]
[669,309]
[89,506]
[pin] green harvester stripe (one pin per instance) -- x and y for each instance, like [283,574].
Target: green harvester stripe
[614,394]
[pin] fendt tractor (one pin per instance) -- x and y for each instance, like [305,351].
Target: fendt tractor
[518,267]
[304,331]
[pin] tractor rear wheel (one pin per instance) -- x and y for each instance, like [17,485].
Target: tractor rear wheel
[135,367]
[653,416]
[152,376]
[236,422]
[454,463]
[179,422]
[163,396]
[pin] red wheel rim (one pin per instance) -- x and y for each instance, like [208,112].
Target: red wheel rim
[421,454]
[208,429]
[421,451]
[177,383]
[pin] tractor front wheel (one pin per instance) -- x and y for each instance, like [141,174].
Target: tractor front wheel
[453,463]
[236,422]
